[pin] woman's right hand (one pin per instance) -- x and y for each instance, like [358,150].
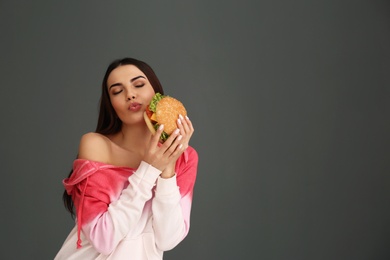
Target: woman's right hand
[161,155]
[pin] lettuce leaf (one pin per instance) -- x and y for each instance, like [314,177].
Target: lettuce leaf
[157,97]
[152,107]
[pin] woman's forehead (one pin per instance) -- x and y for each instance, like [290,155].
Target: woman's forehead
[125,72]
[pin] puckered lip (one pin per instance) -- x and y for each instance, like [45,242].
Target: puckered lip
[135,106]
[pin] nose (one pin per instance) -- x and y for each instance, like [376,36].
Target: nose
[131,94]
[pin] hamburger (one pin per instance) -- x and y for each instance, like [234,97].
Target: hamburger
[163,110]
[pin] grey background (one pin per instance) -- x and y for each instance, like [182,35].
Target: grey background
[290,101]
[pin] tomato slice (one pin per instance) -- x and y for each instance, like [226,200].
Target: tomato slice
[148,112]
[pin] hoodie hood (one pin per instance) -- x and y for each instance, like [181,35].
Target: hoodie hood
[82,169]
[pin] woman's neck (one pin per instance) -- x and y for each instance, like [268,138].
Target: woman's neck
[133,138]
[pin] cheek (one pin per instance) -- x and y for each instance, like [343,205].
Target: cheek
[149,95]
[149,98]
[115,104]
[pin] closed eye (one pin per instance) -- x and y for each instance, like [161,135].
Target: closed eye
[117,92]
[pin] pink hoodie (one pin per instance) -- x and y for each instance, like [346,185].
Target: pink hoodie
[128,213]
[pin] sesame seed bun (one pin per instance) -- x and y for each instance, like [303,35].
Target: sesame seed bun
[168,110]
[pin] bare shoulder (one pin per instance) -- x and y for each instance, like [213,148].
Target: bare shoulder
[94,147]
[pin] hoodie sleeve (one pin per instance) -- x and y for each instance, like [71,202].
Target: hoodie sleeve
[103,222]
[172,202]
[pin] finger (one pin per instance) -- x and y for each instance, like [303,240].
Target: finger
[156,137]
[176,148]
[170,140]
[187,129]
[189,123]
[183,124]
[177,152]
[180,124]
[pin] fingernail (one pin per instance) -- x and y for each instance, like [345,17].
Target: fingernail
[180,116]
[177,131]
[187,117]
[179,137]
[179,121]
[180,146]
[161,127]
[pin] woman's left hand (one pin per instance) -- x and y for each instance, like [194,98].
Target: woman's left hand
[186,128]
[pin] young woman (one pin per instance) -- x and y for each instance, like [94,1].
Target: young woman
[132,195]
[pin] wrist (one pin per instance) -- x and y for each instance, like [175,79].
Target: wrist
[168,172]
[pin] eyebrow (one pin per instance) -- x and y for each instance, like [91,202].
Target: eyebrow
[120,84]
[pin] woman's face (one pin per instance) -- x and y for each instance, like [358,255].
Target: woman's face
[130,93]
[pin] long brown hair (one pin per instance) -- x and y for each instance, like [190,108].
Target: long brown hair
[108,122]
